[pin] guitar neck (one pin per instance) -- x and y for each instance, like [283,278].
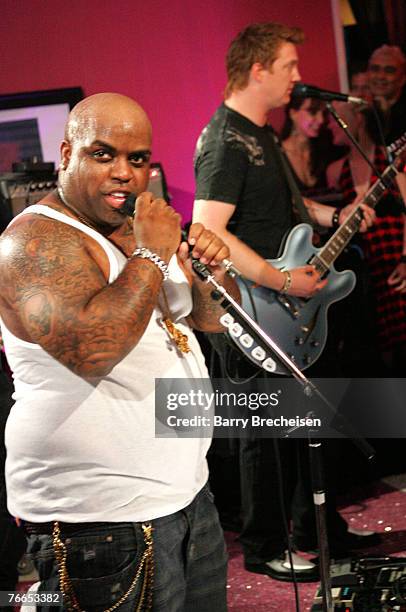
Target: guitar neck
[339,240]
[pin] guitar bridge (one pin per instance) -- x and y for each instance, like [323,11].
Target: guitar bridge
[288,304]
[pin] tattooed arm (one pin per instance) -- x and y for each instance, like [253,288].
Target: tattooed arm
[211,250]
[53,291]
[206,311]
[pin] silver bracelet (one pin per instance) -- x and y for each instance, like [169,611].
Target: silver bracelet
[145,253]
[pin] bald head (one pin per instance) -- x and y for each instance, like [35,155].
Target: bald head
[387,73]
[104,156]
[390,52]
[105,109]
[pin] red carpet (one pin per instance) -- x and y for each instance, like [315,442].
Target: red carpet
[380,508]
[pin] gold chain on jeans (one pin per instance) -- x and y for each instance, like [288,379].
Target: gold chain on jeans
[147,561]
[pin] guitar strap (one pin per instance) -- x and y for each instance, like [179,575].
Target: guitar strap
[299,208]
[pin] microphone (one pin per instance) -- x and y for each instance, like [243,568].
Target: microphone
[301,90]
[226,263]
[128,209]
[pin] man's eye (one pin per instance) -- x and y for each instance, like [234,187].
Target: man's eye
[140,160]
[101,155]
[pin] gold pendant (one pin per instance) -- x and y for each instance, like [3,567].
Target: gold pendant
[181,340]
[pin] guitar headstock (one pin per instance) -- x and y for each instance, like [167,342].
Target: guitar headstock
[398,149]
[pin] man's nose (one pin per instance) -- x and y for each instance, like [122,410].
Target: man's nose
[296,75]
[122,169]
[320,117]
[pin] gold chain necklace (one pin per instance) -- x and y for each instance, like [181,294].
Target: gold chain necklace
[180,339]
[78,215]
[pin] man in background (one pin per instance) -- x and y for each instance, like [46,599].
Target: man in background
[243,194]
[386,80]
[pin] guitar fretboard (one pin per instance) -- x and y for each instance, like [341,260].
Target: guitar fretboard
[339,240]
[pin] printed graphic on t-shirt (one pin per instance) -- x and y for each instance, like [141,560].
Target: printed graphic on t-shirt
[246,143]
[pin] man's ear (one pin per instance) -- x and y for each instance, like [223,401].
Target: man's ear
[66,151]
[257,71]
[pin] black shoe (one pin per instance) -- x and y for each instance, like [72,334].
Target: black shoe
[280,569]
[342,546]
[357,538]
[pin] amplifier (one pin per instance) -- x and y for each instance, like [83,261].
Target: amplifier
[370,584]
[20,189]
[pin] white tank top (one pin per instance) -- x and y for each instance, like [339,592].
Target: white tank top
[83,452]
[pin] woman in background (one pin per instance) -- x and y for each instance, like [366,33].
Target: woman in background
[308,144]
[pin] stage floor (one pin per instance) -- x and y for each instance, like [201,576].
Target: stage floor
[380,506]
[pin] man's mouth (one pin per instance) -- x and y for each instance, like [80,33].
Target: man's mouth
[116,199]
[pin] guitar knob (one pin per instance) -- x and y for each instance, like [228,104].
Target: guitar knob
[304,329]
[306,359]
[314,343]
[291,357]
[299,340]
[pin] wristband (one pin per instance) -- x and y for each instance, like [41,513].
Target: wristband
[156,260]
[403,258]
[335,219]
[288,282]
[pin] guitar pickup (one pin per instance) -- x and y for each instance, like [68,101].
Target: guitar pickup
[288,305]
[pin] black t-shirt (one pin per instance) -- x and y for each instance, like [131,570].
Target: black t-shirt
[396,122]
[236,162]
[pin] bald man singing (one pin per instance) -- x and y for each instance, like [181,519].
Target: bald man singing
[118,518]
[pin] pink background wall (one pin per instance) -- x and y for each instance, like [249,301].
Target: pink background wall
[167,55]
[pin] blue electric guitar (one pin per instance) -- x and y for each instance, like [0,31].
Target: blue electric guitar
[298,325]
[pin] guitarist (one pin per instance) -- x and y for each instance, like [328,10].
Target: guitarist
[243,195]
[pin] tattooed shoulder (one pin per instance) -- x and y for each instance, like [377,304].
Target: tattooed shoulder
[42,255]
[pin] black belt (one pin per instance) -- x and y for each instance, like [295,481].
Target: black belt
[66,528]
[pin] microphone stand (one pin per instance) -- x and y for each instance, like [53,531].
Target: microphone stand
[382,177]
[309,390]
[343,125]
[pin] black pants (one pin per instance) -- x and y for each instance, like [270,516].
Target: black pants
[263,534]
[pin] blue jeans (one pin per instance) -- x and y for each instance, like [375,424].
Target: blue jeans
[190,562]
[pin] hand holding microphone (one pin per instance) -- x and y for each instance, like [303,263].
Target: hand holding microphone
[207,251]
[156,224]
[203,246]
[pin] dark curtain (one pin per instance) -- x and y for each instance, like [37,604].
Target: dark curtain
[395,13]
[370,17]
